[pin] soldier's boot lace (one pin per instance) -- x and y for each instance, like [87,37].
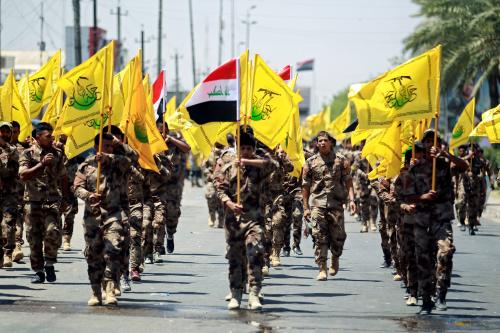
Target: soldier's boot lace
[254,300]
[66,243]
[235,301]
[441,300]
[18,254]
[334,267]
[7,260]
[322,276]
[110,293]
[96,298]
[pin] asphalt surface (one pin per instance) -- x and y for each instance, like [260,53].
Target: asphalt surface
[186,292]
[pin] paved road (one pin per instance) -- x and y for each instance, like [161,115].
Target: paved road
[186,292]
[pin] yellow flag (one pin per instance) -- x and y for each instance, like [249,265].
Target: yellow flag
[489,125]
[464,126]
[13,108]
[338,125]
[171,116]
[43,84]
[54,108]
[120,90]
[409,91]
[389,150]
[141,132]
[272,105]
[157,143]
[89,88]
[292,144]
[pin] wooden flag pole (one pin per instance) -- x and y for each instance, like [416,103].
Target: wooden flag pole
[436,125]
[99,151]
[238,153]
[413,136]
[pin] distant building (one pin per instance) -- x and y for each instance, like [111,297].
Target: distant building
[23,61]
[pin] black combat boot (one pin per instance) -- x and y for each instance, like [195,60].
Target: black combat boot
[51,273]
[427,306]
[39,277]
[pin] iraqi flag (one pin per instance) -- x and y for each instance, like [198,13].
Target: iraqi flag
[216,98]
[286,73]
[159,92]
[306,65]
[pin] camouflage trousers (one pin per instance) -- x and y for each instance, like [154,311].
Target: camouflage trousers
[215,209]
[135,223]
[434,267]
[8,208]
[407,258]
[363,206]
[173,207]
[384,236]
[376,207]
[160,211]
[43,231]
[69,217]
[104,241]
[147,230]
[19,224]
[295,210]
[278,218]
[482,197]
[244,249]
[328,232]
[392,215]
[474,204]
[461,205]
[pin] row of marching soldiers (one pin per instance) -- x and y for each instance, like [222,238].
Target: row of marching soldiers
[415,222]
[129,211]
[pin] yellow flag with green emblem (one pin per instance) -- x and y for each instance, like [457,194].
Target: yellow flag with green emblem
[89,88]
[13,107]
[464,126]
[273,103]
[157,143]
[338,125]
[389,150]
[407,92]
[54,109]
[136,123]
[293,144]
[43,84]
[489,125]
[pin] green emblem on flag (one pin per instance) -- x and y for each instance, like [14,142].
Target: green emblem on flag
[85,94]
[36,89]
[141,133]
[458,132]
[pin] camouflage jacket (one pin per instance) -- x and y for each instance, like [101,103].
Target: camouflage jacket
[158,182]
[9,167]
[278,176]
[210,163]
[420,182]
[46,185]
[327,178]
[114,172]
[178,160]
[225,181]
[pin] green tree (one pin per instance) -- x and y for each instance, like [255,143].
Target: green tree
[338,103]
[470,34]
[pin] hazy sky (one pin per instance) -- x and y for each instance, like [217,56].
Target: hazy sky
[351,40]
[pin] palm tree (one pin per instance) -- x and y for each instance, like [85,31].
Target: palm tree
[470,34]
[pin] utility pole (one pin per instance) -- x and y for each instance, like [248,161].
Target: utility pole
[160,13]
[221,28]
[248,23]
[119,14]
[77,32]
[233,50]
[192,41]
[142,41]
[41,43]
[95,28]
[176,59]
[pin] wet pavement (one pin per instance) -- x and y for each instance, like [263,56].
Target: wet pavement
[186,292]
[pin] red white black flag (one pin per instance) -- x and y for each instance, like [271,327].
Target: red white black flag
[306,65]
[159,93]
[216,98]
[286,73]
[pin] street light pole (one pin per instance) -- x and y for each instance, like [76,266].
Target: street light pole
[248,23]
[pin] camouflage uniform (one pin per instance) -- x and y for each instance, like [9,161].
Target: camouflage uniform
[103,222]
[215,209]
[147,218]
[9,166]
[43,197]
[362,188]
[244,232]
[136,202]
[382,225]
[277,214]
[293,207]
[159,196]
[174,187]
[72,208]
[462,189]
[476,177]
[433,225]
[327,177]
[406,241]
[19,230]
